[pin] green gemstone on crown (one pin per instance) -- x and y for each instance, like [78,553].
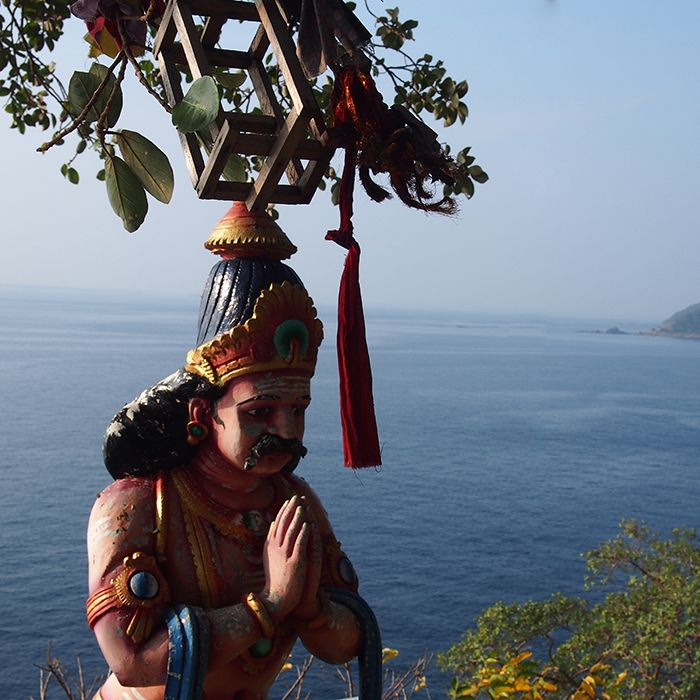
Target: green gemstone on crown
[287,332]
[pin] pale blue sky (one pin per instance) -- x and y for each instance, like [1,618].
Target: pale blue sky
[584,113]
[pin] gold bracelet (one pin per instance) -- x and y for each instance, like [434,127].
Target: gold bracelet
[261,614]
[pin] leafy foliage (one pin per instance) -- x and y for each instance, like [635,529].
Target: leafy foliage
[199,107]
[91,106]
[150,165]
[126,193]
[29,31]
[641,641]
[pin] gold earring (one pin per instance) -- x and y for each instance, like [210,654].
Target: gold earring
[196,432]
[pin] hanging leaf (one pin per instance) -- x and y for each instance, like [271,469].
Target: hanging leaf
[150,165]
[115,107]
[83,86]
[200,106]
[235,170]
[230,80]
[125,192]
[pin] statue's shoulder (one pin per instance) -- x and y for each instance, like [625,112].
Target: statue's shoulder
[130,493]
[122,522]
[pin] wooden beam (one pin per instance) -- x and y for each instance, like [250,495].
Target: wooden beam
[224,58]
[165,36]
[262,144]
[255,123]
[209,179]
[212,31]
[270,105]
[288,138]
[240,191]
[194,53]
[260,44]
[233,9]
[313,174]
[190,144]
[283,46]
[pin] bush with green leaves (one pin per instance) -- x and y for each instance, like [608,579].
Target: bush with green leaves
[642,642]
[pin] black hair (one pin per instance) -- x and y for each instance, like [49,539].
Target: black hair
[148,435]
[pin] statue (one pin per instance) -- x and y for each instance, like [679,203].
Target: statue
[208,557]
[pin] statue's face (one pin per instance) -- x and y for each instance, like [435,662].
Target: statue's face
[271,403]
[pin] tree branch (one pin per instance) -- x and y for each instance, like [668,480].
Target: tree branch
[88,106]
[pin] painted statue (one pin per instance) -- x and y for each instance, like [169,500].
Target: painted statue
[208,557]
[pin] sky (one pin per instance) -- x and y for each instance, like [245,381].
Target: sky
[584,114]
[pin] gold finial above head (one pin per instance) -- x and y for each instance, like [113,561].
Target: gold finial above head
[245,234]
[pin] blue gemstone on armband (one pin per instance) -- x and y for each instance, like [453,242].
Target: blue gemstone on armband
[144,585]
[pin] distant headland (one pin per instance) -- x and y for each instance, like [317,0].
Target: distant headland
[683,324]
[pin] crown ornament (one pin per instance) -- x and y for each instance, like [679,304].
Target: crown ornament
[245,234]
[284,332]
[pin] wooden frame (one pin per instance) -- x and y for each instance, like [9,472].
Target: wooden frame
[283,142]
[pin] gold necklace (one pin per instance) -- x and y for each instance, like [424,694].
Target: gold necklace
[246,528]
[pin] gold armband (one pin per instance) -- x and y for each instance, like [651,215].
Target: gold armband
[139,586]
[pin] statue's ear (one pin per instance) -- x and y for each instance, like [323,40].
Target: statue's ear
[200,410]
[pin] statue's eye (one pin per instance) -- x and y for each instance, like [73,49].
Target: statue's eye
[258,412]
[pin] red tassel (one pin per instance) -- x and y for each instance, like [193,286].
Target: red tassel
[360,438]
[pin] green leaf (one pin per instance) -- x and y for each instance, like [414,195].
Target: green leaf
[150,165]
[125,192]
[478,174]
[83,86]
[73,176]
[231,80]
[200,106]
[235,170]
[115,108]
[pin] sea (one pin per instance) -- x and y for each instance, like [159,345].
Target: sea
[510,446]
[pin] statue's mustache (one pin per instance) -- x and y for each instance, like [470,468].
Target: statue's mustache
[269,444]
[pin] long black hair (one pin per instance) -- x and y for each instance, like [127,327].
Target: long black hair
[148,435]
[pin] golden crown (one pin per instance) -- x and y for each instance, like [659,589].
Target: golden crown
[284,332]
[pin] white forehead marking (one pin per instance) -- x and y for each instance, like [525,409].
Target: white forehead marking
[272,383]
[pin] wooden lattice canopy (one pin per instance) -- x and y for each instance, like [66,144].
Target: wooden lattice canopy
[298,145]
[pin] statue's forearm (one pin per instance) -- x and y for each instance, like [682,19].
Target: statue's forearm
[232,631]
[337,640]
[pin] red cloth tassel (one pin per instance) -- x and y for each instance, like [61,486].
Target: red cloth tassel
[360,438]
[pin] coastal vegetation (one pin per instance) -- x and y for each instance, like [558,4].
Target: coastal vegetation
[640,641]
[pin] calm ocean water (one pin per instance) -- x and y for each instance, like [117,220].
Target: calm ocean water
[509,448]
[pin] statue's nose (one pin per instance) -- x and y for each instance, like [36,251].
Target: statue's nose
[285,424]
